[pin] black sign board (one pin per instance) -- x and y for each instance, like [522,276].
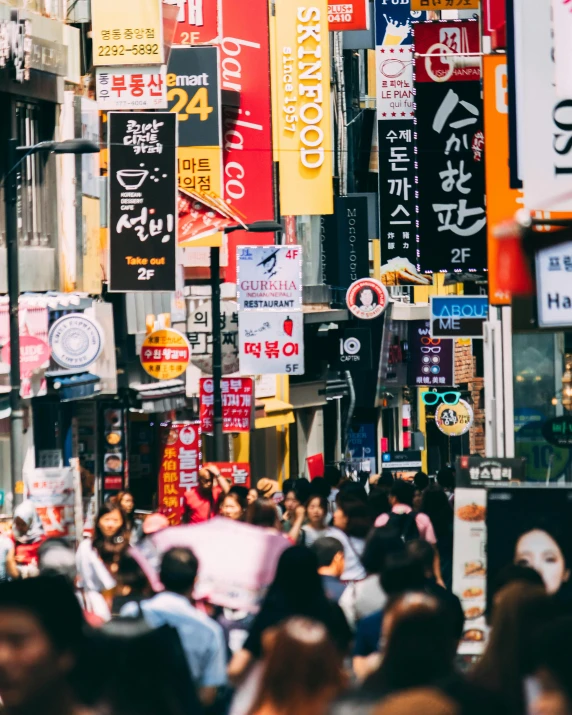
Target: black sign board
[401,460]
[489,471]
[354,349]
[344,242]
[558,431]
[431,360]
[142,201]
[451,174]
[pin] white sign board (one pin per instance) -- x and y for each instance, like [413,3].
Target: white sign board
[131,87]
[394,82]
[554,286]
[269,278]
[271,343]
[562,28]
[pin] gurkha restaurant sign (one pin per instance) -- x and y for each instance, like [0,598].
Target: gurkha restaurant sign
[489,471]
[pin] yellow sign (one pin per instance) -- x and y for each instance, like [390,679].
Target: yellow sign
[445,4]
[454,420]
[165,354]
[127,33]
[302,86]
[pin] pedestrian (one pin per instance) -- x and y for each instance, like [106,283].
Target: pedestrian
[439,510]
[267,488]
[97,558]
[292,512]
[27,534]
[202,502]
[8,566]
[233,507]
[153,524]
[264,513]
[295,591]
[316,515]
[132,584]
[446,480]
[201,637]
[252,495]
[302,671]
[420,483]
[333,477]
[126,503]
[330,556]
[353,519]
[378,501]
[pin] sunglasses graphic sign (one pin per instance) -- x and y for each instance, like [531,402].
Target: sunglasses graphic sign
[458,316]
[431,360]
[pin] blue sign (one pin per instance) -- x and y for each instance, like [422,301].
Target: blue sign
[458,316]
[362,443]
[393,20]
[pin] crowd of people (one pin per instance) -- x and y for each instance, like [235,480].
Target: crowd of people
[359,618]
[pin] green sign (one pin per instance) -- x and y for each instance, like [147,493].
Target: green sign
[558,431]
[540,456]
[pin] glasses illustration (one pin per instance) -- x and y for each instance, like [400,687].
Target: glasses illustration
[433,398]
[425,351]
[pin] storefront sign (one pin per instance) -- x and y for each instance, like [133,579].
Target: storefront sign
[562,29]
[394,82]
[115,466]
[269,278]
[76,341]
[554,286]
[445,4]
[52,493]
[142,201]
[199,335]
[165,354]
[197,21]
[458,316]
[131,88]
[489,471]
[401,460]
[367,298]
[454,420]
[303,108]
[344,242]
[237,473]
[271,343]
[350,15]
[180,463]
[431,360]
[122,36]
[393,23]
[449,48]
[354,351]
[237,404]
[34,354]
[451,172]
[247,133]
[558,431]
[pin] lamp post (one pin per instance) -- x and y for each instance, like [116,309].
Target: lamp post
[255,227]
[15,156]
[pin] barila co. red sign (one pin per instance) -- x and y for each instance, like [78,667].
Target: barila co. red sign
[247,135]
[353,15]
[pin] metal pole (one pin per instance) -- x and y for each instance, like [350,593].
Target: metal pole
[219,450]
[17,414]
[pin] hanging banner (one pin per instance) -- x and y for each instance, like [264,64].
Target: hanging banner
[131,88]
[271,343]
[52,493]
[303,108]
[431,360]
[351,15]
[237,473]
[393,23]
[142,201]
[344,242]
[562,29]
[197,21]
[181,460]
[269,278]
[124,34]
[247,133]
[165,354]
[237,404]
[451,173]
[200,337]
[554,286]
[34,346]
[451,50]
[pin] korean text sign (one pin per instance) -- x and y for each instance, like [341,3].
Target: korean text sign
[269,278]
[197,21]
[431,360]
[271,343]
[440,42]
[200,335]
[127,33]
[237,404]
[180,463]
[142,201]
[303,108]
[238,473]
[131,88]
[554,285]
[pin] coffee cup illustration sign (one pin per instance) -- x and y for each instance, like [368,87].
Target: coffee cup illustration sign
[367,298]
[454,420]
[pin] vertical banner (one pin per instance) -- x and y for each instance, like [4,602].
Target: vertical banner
[142,201]
[344,242]
[237,404]
[127,34]
[562,29]
[303,104]
[197,21]
[180,463]
[502,201]
[431,360]
[247,133]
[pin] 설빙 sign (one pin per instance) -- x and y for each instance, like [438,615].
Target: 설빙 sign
[350,15]
[131,88]
[165,354]
[367,298]
[142,201]
[269,278]
[454,420]
[554,285]
[271,343]
[237,404]
[558,431]
[76,341]
[489,471]
[458,316]
[180,463]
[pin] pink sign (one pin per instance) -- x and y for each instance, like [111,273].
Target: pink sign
[34,353]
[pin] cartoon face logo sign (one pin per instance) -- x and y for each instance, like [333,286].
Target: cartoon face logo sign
[367,298]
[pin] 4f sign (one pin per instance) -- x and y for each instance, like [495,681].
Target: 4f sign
[456,316]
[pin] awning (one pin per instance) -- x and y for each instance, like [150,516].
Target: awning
[81,386]
[272,412]
[157,397]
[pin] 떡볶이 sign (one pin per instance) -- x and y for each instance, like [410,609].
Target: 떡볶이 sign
[165,354]
[131,88]
[458,316]
[269,278]
[271,343]
[237,404]
[180,463]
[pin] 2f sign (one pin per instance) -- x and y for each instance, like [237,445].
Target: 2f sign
[460,255]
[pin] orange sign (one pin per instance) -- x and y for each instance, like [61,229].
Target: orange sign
[502,201]
[165,354]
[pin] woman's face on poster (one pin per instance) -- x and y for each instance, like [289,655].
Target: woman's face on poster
[538,550]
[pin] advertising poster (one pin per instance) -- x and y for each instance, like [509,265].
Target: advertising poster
[269,278]
[179,466]
[362,444]
[304,130]
[197,21]
[237,404]
[124,37]
[131,88]
[489,471]
[247,133]
[52,493]
[142,201]
[394,83]
[199,335]
[34,346]
[350,15]
[470,565]
[431,360]
[344,242]
[237,473]
[271,343]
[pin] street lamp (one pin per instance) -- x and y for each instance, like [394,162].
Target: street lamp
[218,435]
[15,156]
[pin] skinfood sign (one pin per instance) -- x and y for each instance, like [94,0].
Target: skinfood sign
[303,91]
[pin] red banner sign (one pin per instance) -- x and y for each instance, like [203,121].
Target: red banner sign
[353,15]
[197,21]
[238,473]
[180,464]
[247,134]
[237,404]
[448,51]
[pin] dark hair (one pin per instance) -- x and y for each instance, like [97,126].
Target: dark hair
[446,478]
[129,518]
[333,476]
[320,487]
[378,501]
[323,501]
[237,498]
[352,489]
[179,568]
[550,650]
[262,512]
[403,492]
[424,553]
[401,572]
[302,490]
[288,485]
[421,481]
[379,545]
[241,493]
[111,548]
[359,519]
[325,549]
[131,574]
[438,508]
[386,479]
[513,573]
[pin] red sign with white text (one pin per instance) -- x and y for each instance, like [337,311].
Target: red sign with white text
[247,134]
[448,51]
[237,472]
[494,15]
[237,404]
[197,21]
[353,15]
[180,464]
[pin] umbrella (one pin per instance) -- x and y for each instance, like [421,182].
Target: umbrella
[237,561]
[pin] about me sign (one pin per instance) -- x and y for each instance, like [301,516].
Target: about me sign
[458,316]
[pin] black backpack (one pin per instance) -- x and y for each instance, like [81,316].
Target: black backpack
[404,526]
